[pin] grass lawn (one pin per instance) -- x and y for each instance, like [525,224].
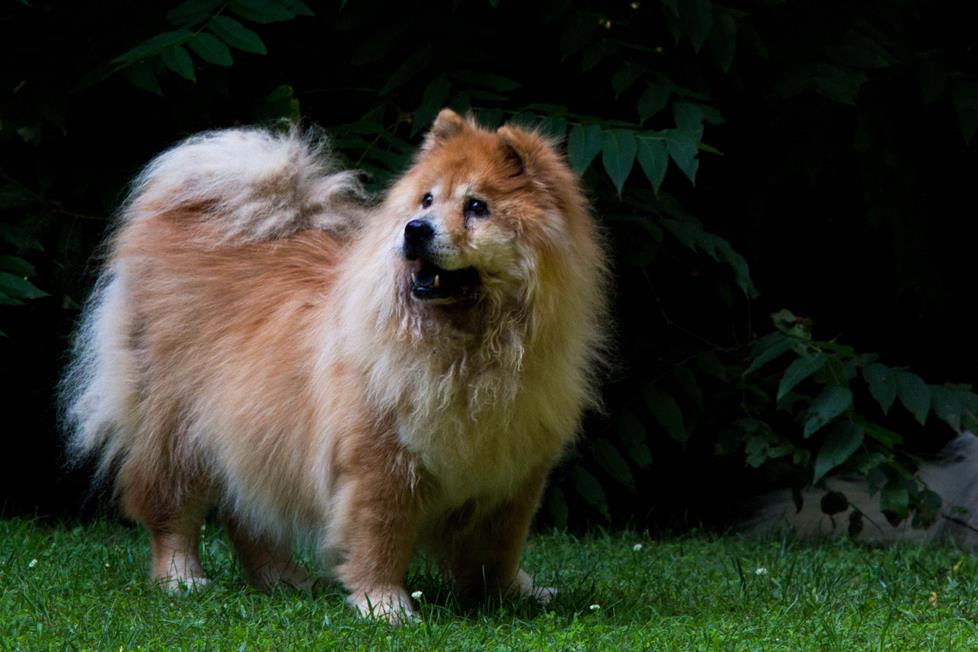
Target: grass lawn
[85,588]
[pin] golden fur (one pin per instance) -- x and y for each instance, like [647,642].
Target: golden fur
[253,344]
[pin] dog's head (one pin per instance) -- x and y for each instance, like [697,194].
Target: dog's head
[485,216]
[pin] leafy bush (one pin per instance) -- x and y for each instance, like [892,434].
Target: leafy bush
[641,102]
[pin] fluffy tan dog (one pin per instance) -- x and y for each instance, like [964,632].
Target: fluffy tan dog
[363,379]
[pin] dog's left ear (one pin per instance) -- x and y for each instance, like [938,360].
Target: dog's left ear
[525,150]
[446,124]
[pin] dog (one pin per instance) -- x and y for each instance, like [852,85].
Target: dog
[365,378]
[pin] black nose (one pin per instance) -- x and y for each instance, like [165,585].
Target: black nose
[417,235]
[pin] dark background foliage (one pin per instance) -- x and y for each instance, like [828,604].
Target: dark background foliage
[744,157]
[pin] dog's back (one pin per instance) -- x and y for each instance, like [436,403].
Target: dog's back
[166,264]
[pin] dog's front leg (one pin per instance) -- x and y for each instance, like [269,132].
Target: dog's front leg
[378,513]
[485,561]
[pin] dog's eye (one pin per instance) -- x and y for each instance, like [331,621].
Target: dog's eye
[476,207]
[426,200]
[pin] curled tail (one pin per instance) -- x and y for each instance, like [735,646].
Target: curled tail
[247,185]
[258,184]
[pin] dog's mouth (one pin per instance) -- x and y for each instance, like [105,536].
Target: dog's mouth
[431,283]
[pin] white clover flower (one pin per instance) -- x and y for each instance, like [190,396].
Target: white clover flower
[637,547]
[594,607]
[417,595]
[760,571]
[32,563]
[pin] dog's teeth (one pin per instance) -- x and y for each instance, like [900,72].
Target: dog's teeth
[414,278]
[437,280]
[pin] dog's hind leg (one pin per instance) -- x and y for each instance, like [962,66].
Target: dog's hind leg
[173,512]
[265,561]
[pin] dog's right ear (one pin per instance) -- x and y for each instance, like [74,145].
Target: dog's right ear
[446,124]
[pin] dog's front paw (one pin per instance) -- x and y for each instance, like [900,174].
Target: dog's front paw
[182,586]
[524,586]
[390,604]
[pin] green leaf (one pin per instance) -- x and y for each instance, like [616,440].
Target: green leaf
[839,84]
[701,22]
[914,394]
[618,155]
[883,435]
[623,79]
[653,156]
[433,100]
[210,49]
[590,489]
[653,100]
[882,384]
[632,433]
[19,237]
[583,145]
[947,403]
[608,457]
[153,46]
[236,35]
[17,266]
[740,268]
[723,39]
[141,75]
[766,351]
[280,103]
[756,449]
[684,152]
[261,11]
[798,371]
[689,119]
[688,233]
[835,83]
[840,443]
[554,126]
[895,499]
[833,401]
[666,412]
[594,53]
[576,32]
[178,60]
[193,11]
[411,67]
[19,288]
[297,7]
[928,509]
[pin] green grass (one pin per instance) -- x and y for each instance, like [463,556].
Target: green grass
[87,590]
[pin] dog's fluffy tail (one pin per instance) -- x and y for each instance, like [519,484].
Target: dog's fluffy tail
[255,184]
[245,185]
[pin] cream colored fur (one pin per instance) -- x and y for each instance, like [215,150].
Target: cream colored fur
[252,344]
